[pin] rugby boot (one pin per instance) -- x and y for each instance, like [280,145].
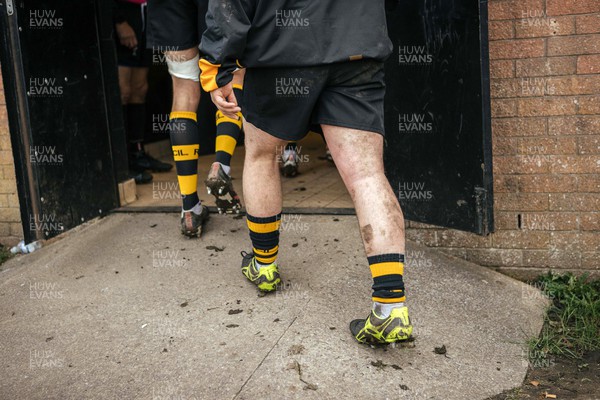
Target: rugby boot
[376,330]
[289,167]
[219,185]
[266,277]
[192,223]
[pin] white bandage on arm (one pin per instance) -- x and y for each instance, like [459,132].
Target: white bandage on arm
[185,69]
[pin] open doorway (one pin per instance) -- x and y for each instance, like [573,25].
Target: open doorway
[317,188]
[438,134]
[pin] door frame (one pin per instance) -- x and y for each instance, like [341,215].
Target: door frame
[15,89]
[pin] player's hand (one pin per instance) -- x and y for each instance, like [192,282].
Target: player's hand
[225,101]
[126,35]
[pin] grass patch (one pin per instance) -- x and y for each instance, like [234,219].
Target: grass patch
[5,254]
[572,323]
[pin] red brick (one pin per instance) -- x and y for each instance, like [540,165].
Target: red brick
[590,260]
[503,108]
[8,186]
[538,106]
[458,253]
[575,202]
[547,183]
[530,274]
[589,105]
[544,86]
[567,45]
[514,9]
[522,48]
[588,183]
[420,225]
[540,27]
[495,257]
[423,236]
[551,258]
[541,86]
[10,215]
[549,221]
[16,229]
[5,143]
[522,201]
[575,165]
[505,183]
[574,125]
[561,145]
[574,241]
[504,146]
[547,66]
[519,127]
[589,145]
[501,30]
[590,221]
[13,200]
[587,23]
[589,64]
[505,220]
[578,84]
[454,238]
[563,7]
[523,164]
[521,240]
[500,88]
[3,115]
[8,172]
[502,69]
[6,157]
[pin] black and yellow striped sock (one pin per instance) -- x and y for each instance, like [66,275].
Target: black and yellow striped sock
[264,233]
[387,271]
[228,132]
[185,142]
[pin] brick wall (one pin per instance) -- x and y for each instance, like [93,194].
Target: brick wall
[10,219]
[545,89]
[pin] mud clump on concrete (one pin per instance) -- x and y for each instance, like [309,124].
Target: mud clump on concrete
[296,349]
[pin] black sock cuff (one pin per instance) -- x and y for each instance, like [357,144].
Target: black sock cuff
[263,220]
[381,258]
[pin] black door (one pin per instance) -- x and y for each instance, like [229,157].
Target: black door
[438,134]
[61,131]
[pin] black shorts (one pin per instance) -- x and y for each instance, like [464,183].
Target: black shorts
[135,16]
[285,102]
[176,24]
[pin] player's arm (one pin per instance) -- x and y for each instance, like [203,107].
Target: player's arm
[224,41]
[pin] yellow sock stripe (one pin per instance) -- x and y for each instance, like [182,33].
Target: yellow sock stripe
[184,114]
[222,118]
[186,152]
[188,184]
[266,256]
[225,143]
[238,86]
[387,268]
[263,228]
[266,253]
[386,300]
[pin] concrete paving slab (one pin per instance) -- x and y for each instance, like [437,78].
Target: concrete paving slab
[127,308]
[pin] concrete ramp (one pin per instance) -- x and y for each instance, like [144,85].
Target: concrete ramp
[127,308]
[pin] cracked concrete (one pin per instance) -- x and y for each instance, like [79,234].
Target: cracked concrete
[127,308]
